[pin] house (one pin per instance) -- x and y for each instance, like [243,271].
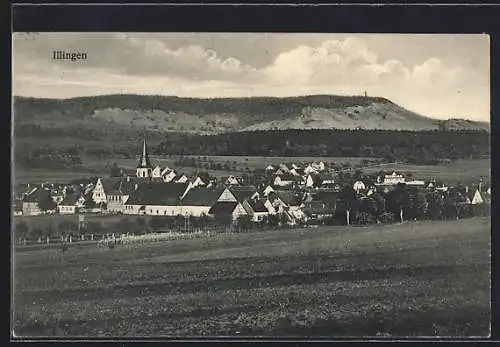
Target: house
[101,186]
[475,197]
[270,168]
[17,207]
[318,166]
[168,176]
[199,200]
[156,171]
[309,169]
[268,190]
[230,209]
[285,179]
[284,168]
[393,178]
[415,183]
[358,186]
[317,210]
[35,203]
[181,178]
[296,167]
[71,204]
[256,209]
[155,199]
[232,180]
[285,202]
[238,194]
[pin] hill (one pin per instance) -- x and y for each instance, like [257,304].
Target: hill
[138,113]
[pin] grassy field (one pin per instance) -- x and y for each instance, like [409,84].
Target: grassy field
[457,171]
[415,279]
[44,220]
[460,170]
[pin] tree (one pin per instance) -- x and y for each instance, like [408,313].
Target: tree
[21,230]
[46,203]
[115,171]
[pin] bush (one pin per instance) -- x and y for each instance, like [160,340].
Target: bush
[387,217]
[364,218]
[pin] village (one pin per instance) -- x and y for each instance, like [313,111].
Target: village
[288,194]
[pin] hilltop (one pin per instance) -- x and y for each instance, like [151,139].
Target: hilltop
[140,113]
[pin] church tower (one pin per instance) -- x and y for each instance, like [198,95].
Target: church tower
[144,168]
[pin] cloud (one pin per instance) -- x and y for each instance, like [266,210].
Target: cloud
[133,63]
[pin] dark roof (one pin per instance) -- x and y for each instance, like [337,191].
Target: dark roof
[111,185]
[257,205]
[221,208]
[37,196]
[161,194]
[327,197]
[69,200]
[201,196]
[289,197]
[242,193]
[318,207]
[287,176]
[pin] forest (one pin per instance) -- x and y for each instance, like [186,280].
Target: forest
[424,147]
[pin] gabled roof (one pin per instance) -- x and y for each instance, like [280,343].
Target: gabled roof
[111,185]
[288,176]
[242,192]
[201,196]
[289,197]
[221,208]
[69,200]
[161,194]
[37,196]
[327,197]
[257,205]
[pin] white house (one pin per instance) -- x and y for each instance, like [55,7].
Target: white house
[232,180]
[181,179]
[156,199]
[156,171]
[199,200]
[168,176]
[256,209]
[394,179]
[358,186]
[309,169]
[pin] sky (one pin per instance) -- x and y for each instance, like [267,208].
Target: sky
[440,75]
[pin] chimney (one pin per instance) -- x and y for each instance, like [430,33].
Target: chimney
[128,178]
[466,189]
[136,185]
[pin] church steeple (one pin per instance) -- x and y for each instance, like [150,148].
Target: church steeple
[144,168]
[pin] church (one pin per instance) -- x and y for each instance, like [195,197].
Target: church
[144,168]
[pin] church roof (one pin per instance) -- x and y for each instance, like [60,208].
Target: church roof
[144,159]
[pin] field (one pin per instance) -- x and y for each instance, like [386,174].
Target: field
[412,279]
[43,221]
[460,170]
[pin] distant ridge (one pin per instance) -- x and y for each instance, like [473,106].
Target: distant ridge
[220,115]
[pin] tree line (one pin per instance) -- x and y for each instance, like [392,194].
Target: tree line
[418,147]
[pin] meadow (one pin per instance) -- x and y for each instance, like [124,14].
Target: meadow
[411,279]
[463,170]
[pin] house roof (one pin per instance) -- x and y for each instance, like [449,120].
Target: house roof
[225,207]
[69,200]
[327,197]
[37,196]
[318,207]
[243,192]
[161,194]
[288,176]
[110,185]
[289,197]
[201,196]
[257,205]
